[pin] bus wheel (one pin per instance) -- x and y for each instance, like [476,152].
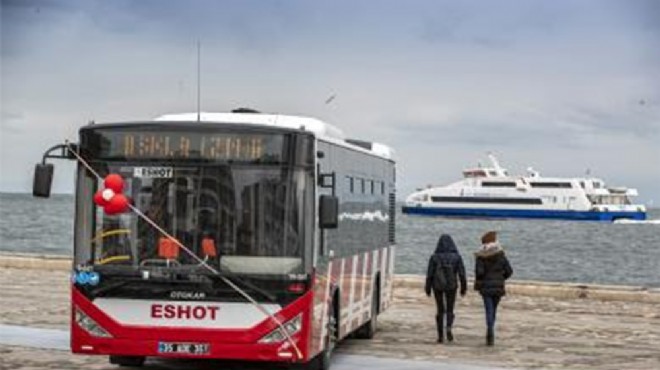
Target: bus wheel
[368,329]
[322,360]
[134,361]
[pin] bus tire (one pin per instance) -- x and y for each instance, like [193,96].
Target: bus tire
[132,361]
[369,328]
[322,360]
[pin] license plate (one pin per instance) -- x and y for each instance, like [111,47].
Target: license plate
[183,348]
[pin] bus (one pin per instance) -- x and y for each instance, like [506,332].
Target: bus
[239,235]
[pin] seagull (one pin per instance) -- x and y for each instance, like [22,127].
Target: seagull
[330,99]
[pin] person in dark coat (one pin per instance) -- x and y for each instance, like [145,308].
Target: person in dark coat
[445,270]
[492,268]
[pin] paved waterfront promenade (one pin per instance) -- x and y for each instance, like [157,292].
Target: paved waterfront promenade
[550,326]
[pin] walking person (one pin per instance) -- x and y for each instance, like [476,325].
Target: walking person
[492,268]
[445,270]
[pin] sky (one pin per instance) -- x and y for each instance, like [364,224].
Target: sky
[563,86]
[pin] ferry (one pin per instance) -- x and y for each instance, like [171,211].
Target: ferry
[491,192]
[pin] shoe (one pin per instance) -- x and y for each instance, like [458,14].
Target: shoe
[439,325]
[490,338]
[450,336]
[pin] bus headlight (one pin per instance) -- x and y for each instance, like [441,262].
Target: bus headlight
[292,327]
[90,326]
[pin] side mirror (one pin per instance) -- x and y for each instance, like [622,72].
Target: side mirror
[328,212]
[43,179]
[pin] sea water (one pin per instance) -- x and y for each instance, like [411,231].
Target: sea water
[568,251]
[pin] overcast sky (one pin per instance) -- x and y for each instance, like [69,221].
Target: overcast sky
[563,86]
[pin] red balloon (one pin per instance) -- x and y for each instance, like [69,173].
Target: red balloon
[118,204]
[114,182]
[98,199]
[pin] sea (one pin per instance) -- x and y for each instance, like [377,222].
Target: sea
[586,252]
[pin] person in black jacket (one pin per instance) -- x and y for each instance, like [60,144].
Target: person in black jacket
[445,265]
[492,268]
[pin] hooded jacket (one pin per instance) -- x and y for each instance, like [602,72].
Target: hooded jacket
[492,268]
[445,259]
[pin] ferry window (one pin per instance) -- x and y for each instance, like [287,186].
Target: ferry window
[362,185]
[382,187]
[491,200]
[372,185]
[550,198]
[349,182]
[564,185]
[492,173]
[474,173]
[498,184]
[582,184]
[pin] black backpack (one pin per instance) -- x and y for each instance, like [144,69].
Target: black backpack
[442,275]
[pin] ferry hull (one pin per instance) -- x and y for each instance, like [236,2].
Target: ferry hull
[525,213]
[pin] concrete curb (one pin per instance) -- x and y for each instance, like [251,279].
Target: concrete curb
[35,261]
[522,288]
[557,290]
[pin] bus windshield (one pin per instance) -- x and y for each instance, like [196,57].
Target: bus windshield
[239,218]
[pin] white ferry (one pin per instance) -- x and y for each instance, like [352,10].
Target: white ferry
[493,192]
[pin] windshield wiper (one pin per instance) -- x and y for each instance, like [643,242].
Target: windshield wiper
[98,292]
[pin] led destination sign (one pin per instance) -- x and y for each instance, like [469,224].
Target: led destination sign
[215,146]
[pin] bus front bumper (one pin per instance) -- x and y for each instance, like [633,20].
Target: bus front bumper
[280,352]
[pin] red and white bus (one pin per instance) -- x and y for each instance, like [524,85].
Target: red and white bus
[245,236]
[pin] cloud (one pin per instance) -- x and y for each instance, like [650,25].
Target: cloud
[441,80]
[12,122]
[569,126]
[642,121]
[38,5]
[503,26]
[649,14]
[485,133]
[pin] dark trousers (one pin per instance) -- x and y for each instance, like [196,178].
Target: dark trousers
[490,304]
[444,302]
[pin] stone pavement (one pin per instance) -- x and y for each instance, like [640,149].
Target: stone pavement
[533,332]
[47,344]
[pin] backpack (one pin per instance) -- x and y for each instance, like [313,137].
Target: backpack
[442,275]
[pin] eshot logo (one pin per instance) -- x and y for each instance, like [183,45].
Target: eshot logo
[184,311]
[153,172]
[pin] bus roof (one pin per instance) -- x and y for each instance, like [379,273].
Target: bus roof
[320,129]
